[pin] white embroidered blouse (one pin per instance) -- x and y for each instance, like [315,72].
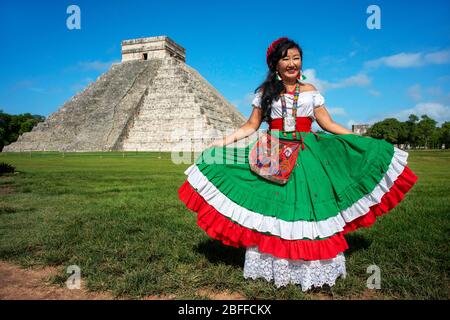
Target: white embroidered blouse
[307,101]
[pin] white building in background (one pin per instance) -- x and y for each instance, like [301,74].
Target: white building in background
[360,128]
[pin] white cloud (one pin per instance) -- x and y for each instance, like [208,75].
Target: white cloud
[439,57]
[445,78]
[248,98]
[359,79]
[332,60]
[337,111]
[81,85]
[409,60]
[96,65]
[311,78]
[375,93]
[315,126]
[401,60]
[415,92]
[436,111]
[235,103]
[444,99]
[435,91]
[28,85]
[23,84]
[245,102]
[38,90]
[351,122]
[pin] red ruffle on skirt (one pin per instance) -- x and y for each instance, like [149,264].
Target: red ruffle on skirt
[390,199]
[230,233]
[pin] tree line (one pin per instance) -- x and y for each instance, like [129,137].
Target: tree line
[415,132]
[12,126]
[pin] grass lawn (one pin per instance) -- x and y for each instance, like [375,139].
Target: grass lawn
[118,217]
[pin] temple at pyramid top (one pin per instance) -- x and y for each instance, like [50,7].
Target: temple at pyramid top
[150,48]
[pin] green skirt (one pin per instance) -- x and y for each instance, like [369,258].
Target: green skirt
[339,183]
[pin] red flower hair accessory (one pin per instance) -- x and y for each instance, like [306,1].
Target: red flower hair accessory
[272,48]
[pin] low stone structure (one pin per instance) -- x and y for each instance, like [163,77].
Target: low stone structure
[360,128]
[151,101]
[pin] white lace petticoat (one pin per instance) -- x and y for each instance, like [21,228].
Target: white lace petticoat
[307,274]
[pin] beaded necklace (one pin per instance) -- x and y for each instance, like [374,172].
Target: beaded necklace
[290,120]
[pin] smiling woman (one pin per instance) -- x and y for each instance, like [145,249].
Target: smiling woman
[294,230]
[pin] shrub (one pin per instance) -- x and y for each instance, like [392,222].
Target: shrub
[6,168]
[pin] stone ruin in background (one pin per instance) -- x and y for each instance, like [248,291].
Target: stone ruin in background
[151,101]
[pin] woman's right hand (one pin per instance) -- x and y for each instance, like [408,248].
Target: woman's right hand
[216,143]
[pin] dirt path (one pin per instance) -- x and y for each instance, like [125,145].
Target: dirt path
[33,284]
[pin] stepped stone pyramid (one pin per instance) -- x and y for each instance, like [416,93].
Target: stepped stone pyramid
[151,101]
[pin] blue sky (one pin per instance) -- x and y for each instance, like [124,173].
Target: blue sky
[365,75]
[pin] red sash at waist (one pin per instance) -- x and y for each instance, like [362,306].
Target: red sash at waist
[301,124]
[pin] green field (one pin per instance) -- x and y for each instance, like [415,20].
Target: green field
[118,217]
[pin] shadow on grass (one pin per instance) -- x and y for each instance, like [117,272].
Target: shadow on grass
[356,242]
[216,252]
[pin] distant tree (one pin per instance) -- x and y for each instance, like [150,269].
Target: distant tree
[444,137]
[2,135]
[403,133]
[426,130]
[434,139]
[390,130]
[5,119]
[411,127]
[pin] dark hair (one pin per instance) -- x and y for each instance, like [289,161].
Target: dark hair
[271,87]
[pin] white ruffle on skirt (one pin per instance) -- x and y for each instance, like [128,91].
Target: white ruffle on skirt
[307,274]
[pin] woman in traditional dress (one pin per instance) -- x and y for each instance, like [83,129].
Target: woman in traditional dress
[294,232]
